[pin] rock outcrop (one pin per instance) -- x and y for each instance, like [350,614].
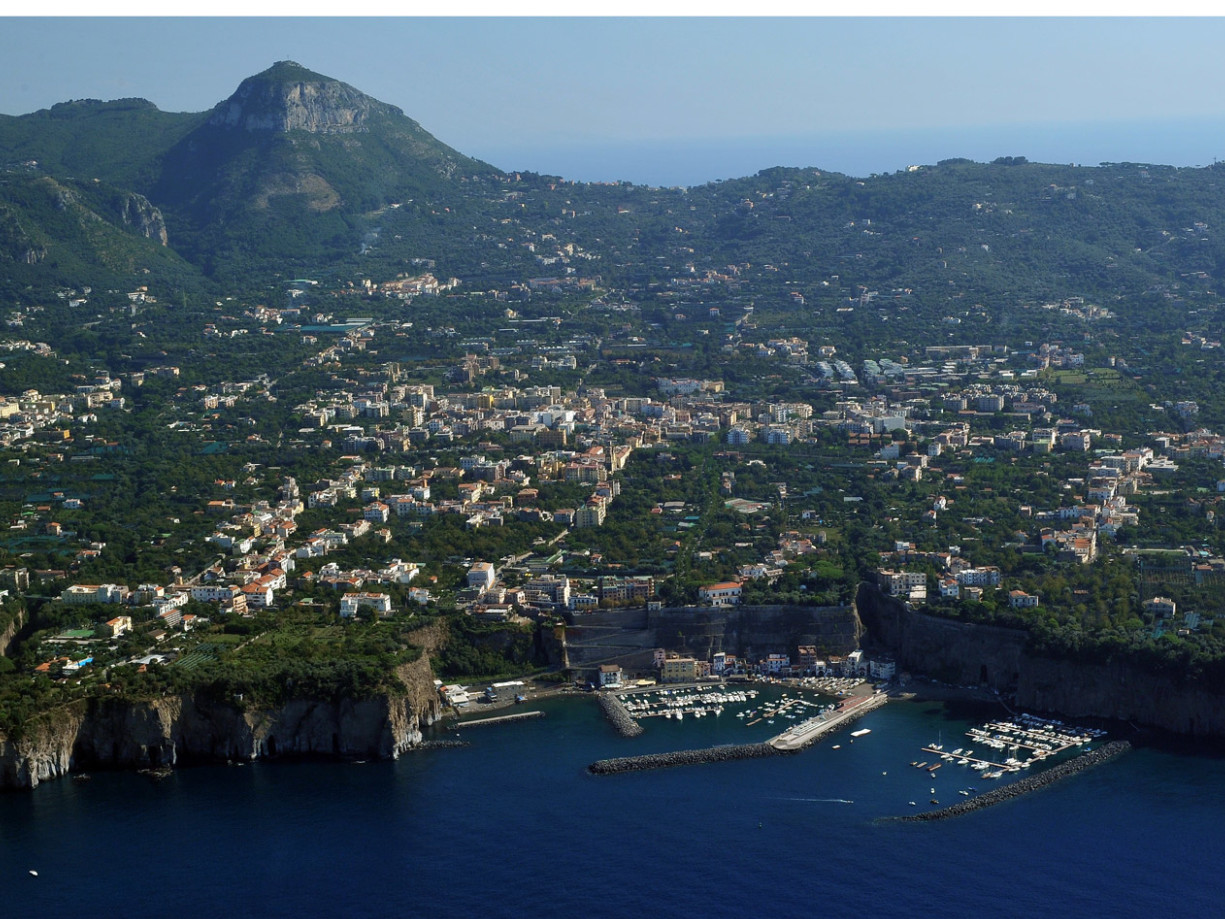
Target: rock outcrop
[124,733]
[9,632]
[138,213]
[290,98]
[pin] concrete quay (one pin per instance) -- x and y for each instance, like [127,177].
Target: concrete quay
[499,719]
[809,732]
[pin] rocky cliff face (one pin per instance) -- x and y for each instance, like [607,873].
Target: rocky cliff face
[9,632]
[138,213]
[290,98]
[118,733]
[966,653]
[630,635]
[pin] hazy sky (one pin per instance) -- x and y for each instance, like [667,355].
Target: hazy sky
[499,88]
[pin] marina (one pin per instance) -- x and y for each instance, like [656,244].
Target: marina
[1040,738]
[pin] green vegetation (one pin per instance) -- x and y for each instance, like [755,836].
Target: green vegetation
[234,371]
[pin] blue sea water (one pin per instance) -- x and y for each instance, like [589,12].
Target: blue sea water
[690,162]
[513,825]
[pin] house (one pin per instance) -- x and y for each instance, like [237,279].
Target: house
[94,593]
[726,593]
[350,603]
[482,576]
[120,625]
[1019,599]
[679,670]
[1161,607]
[609,676]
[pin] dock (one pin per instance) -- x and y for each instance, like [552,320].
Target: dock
[1088,760]
[958,757]
[812,730]
[499,719]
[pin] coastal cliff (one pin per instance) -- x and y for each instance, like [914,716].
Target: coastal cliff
[127,733]
[630,636]
[1000,658]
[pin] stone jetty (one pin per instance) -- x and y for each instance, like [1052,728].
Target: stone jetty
[682,758]
[1102,754]
[617,715]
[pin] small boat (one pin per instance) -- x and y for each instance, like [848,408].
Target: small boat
[912,804]
[33,873]
[861,732]
[964,792]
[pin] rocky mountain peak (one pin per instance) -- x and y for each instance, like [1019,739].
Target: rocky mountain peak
[288,97]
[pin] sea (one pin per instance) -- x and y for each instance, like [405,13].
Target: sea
[513,825]
[690,162]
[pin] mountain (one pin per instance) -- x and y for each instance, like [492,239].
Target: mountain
[299,174]
[286,168]
[293,147]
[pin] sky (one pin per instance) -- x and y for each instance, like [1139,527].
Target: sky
[685,100]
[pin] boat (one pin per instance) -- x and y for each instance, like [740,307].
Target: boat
[964,792]
[934,768]
[861,732]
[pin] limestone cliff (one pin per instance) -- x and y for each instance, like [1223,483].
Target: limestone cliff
[629,636]
[138,213]
[125,733]
[967,653]
[288,97]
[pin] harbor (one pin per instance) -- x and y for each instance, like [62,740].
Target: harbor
[1030,783]
[825,718]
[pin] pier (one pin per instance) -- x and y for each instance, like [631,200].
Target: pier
[809,732]
[498,719]
[958,757]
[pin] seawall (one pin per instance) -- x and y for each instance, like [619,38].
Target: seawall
[682,758]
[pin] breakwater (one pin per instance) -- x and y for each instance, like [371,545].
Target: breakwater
[1085,761]
[439,745]
[682,758]
[499,719]
[616,714]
